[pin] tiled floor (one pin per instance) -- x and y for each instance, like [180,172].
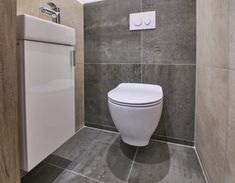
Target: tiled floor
[93,156]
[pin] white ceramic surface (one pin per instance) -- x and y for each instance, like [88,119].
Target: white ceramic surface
[136,123]
[36,29]
[136,93]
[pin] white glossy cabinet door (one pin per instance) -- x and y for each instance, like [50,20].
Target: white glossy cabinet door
[48,105]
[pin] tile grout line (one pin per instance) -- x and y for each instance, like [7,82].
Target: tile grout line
[141,48]
[166,64]
[84,176]
[141,57]
[201,165]
[70,171]
[79,129]
[117,133]
[132,164]
[108,131]
[172,143]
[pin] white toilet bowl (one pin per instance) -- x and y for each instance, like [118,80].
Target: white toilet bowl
[136,110]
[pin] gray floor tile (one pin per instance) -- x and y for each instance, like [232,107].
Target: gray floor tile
[100,155]
[96,156]
[166,163]
[45,173]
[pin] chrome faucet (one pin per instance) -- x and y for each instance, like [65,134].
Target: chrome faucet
[54,11]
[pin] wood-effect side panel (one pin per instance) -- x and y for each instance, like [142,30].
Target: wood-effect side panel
[9,165]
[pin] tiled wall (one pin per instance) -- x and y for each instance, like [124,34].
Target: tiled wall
[71,15]
[165,56]
[215,98]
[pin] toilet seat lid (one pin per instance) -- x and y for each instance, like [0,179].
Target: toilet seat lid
[136,93]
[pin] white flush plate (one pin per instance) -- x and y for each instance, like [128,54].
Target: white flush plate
[143,20]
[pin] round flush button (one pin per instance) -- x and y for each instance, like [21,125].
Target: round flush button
[147,22]
[138,22]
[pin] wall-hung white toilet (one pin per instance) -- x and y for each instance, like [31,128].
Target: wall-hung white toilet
[136,110]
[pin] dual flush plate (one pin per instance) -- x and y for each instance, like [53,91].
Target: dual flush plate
[143,21]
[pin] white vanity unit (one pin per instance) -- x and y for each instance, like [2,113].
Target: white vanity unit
[46,87]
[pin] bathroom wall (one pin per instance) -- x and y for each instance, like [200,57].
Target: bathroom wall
[215,98]
[71,15]
[165,56]
[9,160]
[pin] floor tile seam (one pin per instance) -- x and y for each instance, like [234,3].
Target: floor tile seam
[172,143]
[82,175]
[104,63]
[117,133]
[93,124]
[141,47]
[132,164]
[79,129]
[108,131]
[73,172]
[173,138]
[201,165]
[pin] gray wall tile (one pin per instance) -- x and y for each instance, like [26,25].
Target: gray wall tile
[174,39]
[99,79]
[215,125]
[107,35]
[178,83]
[108,42]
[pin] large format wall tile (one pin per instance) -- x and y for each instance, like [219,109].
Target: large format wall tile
[79,96]
[174,39]
[107,35]
[232,34]
[213,33]
[230,153]
[211,115]
[99,79]
[29,7]
[215,129]
[178,84]
[109,41]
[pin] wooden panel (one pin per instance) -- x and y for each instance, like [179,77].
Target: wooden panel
[9,165]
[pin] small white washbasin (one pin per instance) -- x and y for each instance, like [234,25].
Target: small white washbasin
[36,29]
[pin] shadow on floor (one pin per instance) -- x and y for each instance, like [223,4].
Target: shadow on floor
[119,158]
[42,174]
[155,154]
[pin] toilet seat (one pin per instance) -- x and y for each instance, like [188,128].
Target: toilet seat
[135,105]
[136,95]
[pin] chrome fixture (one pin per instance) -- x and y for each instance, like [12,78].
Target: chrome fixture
[54,11]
